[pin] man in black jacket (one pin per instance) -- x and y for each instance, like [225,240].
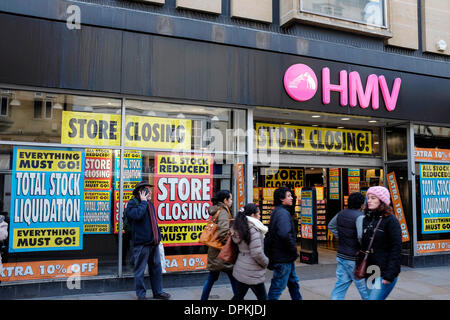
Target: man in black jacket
[145,238]
[283,247]
[344,227]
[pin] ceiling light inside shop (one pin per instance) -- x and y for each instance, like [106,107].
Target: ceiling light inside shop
[315,116]
[345,119]
[373,121]
[340,127]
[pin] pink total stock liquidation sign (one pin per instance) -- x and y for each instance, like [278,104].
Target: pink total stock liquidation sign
[300,82]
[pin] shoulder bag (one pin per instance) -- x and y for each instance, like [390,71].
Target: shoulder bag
[210,235]
[361,268]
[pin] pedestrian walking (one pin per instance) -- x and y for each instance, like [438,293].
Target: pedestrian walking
[250,267]
[387,244]
[222,203]
[344,227]
[282,247]
[146,237]
[3,235]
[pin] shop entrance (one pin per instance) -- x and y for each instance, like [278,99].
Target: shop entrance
[332,187]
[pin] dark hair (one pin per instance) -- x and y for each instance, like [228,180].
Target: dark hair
[221,196]
[279,195]
[382,210]
[241,223]
[356,200]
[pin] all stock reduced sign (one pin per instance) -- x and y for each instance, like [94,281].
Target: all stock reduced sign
[47,199]
[183,194]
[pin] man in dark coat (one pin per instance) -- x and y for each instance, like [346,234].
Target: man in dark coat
[145,236]
[282,247]
[344,227]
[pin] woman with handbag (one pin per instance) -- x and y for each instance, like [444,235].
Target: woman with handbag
[382,235]
[220,213]
[250,267]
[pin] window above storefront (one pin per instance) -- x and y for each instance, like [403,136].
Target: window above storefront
[358,16]
[368,12]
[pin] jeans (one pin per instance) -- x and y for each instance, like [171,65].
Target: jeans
[380,291]
[143,256]
[258,289]
[213,277]
[344,278]
[284,275]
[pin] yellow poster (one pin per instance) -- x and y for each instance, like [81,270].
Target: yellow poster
[102,129]
[302,138]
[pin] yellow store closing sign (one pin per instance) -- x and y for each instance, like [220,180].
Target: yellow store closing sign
[302,138]
[102,129]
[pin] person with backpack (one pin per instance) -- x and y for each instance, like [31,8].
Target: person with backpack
[250,267]
[146,236]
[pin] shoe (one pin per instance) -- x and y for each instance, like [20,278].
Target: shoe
[162,296]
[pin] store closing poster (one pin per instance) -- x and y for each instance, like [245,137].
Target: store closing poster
[47,204]
[97,187]
[183,194]
[435,197]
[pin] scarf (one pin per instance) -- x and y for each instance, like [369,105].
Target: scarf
[258,224]
[154,223]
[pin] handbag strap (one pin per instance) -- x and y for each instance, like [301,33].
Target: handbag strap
[373,236]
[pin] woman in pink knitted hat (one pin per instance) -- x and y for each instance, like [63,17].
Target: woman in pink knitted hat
[386,248]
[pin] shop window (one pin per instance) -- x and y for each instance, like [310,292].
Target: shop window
[396,143]
[4,106]
[368,12]
[66,119]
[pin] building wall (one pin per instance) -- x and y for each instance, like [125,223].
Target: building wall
[435,25]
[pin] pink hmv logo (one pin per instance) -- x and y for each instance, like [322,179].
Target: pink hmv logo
[301,84]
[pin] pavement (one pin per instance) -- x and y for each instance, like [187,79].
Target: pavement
[316,283]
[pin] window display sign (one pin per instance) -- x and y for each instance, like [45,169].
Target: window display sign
[334,184]
[103,129]
[431,154]
[397,205]
[56,269]
[433,246]
[291,178]
[183,194]
[47,202]
[435,197]
[300,138]
[306,214]
[353,180]
[97,191]
[239,169]
[132,175]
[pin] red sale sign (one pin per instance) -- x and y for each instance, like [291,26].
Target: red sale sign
[183,194]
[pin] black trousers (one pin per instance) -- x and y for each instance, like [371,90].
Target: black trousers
[258,289]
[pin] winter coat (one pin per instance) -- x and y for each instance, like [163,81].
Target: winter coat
[387,245]
[139,217]
[343,226]
[223,223]
[251,263]
[3,236]
[282,237]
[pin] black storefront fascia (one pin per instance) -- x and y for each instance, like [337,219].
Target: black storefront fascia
[45,54]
